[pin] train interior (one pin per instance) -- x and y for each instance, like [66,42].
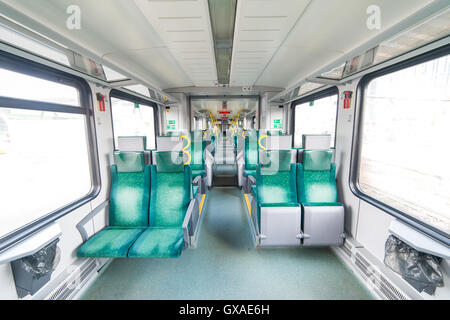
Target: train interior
[211,149]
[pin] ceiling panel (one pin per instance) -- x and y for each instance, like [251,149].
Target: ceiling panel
[116,31]
[325,32]
[261,26]
[185,29]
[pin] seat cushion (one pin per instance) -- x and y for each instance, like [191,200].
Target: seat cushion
[196,173]
[250,173]
[277,188]
[195,191]
[317,186]
[112,242]
[158,243]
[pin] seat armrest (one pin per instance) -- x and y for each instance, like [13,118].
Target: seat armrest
[196,180]
[209,156]
[186,221]
[93,213]
[240,156]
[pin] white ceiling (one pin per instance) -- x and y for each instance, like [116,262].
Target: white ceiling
[169,43]
[326,31]
[261,27]
[185,29]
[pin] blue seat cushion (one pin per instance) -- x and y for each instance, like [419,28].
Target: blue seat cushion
[158,243]
[112,242]
[196,173]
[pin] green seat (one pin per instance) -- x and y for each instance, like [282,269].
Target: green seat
[316,179]
[112,242]
[196,173]
[274,133]
[169,200]
[250,173]
[158,243]
[251,153]
[322,214]
[128,211]
[276,181]
[197,150]
[194,191]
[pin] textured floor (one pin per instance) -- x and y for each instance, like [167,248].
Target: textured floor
[226,266]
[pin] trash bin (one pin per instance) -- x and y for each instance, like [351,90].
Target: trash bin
[32,272]
[420,270]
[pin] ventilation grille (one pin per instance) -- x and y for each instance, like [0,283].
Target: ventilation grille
[347,249]
[383,285]
[69,287]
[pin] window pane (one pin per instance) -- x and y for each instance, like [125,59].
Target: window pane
[43,164]
[130,119]
[317,117]
[404,156]
[22,86]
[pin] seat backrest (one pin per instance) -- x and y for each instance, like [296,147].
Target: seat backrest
[274,133]
[197,150]
[251,150]
[130,190]
[132,143]
[276,178]
[316,181]
[135,143]
[170,190]
[316,141]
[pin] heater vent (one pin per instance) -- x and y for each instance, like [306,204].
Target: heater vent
[72,285]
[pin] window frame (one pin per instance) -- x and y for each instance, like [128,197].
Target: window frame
[412,221]
[118,94]
[21,65]
[325,93]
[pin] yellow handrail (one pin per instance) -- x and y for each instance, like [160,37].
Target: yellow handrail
[187,152]
[234,124]
[214,122]
[259,141]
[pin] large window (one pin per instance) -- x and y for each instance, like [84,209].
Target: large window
[133,118]
[46,165]
[316,116]
[404,142]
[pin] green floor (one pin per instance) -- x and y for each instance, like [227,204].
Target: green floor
[226,266]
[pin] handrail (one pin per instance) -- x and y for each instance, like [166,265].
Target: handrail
[259,141]
[187,152]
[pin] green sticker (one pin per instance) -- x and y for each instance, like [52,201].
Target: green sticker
[277,124]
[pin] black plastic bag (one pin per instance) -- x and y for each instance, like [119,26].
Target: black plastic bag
[42,262]
[421,270]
